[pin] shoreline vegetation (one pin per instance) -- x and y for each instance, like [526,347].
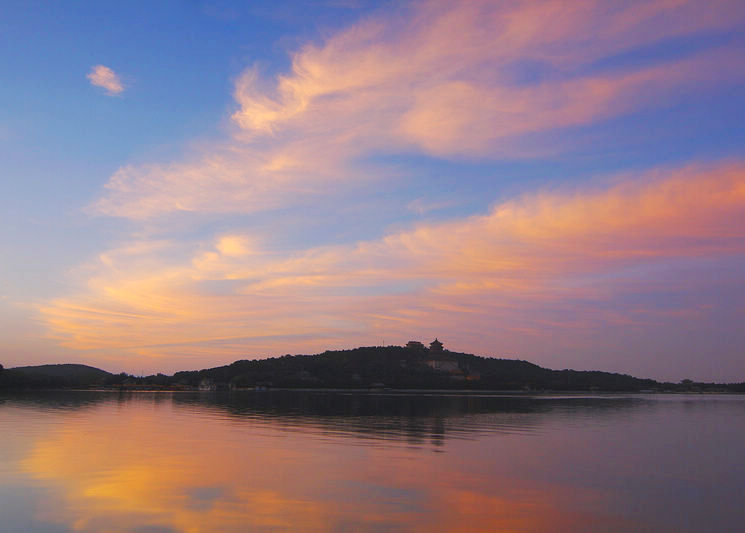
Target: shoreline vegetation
[411,368]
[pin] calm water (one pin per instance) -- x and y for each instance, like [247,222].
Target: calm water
[272,461]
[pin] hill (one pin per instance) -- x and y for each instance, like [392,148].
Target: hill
[398,367]
[402,367]
[53,376]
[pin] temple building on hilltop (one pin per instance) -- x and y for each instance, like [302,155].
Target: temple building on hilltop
[435,347]
[438,360]
[415,345]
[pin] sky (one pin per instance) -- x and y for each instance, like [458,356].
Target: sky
[188,183]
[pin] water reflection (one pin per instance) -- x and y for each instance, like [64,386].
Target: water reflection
[414,418]
[283,461]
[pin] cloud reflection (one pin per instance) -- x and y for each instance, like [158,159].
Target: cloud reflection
[143,462]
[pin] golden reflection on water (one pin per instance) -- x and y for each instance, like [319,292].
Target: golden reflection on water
[146,465]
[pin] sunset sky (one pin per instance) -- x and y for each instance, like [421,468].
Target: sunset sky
[187,183]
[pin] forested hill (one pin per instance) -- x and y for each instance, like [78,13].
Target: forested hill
[370,367]
[401,367]
[53,376]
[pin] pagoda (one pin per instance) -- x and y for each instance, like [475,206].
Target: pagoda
[435,347]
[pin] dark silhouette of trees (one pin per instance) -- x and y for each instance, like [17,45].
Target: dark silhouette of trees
[400,367]
[372,366]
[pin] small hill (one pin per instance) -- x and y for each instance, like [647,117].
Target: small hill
[396,367]
[405,368]
[53,376]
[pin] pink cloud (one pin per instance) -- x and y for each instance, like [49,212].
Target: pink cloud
[543,263]
[437,78]
[104,77]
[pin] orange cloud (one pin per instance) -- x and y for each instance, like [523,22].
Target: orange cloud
[456,277]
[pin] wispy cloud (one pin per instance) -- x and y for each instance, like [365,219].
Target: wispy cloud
[104,77]
[543,264]
[444,79]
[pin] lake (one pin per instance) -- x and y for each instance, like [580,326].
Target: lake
[334,461]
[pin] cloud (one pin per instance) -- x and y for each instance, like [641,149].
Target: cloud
[443,80]
[101,76]
[546,265]
[556,271]
[453,80]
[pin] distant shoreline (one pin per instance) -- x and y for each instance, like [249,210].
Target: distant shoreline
[413,368]
[403,392]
